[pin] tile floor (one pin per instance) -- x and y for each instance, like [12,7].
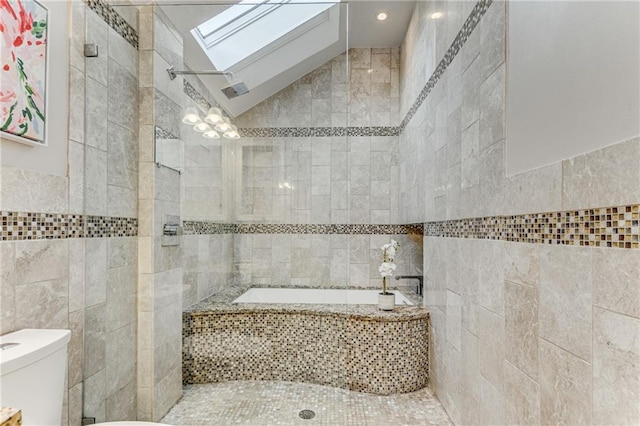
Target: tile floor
[279,403]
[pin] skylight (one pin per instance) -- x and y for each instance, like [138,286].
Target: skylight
[250,26]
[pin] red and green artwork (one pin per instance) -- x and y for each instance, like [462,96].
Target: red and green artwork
[23,70]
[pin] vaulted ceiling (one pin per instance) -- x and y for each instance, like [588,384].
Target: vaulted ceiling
[269,44]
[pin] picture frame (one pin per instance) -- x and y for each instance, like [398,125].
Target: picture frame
[24,75]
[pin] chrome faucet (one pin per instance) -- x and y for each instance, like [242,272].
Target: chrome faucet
[419,287]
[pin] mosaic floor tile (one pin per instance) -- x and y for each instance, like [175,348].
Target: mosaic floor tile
[279,403]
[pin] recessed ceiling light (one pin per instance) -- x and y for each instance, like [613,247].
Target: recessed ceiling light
[381,16]
[436,15]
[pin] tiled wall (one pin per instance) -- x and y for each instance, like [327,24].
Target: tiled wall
[68,243]
[526,327]
[111,190]
[322,151]
[160,269]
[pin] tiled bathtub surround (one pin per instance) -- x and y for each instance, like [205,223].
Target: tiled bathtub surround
[616,227]
[357,347]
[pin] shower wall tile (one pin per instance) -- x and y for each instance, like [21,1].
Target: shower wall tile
[616,354]
[615,283]
[566,298]
[522,397]
[521,328]
[565,386]
[603,177]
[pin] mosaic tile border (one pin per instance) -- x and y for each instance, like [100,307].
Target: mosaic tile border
[196,96]
[614,227]
[306,132]
[194,227]
[163,134]
[461,38]
[19,226]
[114,20]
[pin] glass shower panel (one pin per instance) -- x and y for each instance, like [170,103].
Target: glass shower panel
[104,56]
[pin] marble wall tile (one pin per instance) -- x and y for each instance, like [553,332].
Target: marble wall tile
[121,51]
[538,190]
[76,104]
[615,280]
[122,88]
[521,327]
[27,191]
[491,285]
[121,357]
[7,287]
[122,404]
[52,299]
[492,92]
[95,395]
[454,319]
[41,260]
[75,404]
[75,349]
[121,290]
[76,177]
[522,397]
[76,274]
[491,339]
[492,39]
[168,391]
[96,271]
[95,181]
[522,263]
[566,297]
[565,386]
[94,340]
[616,368]
[96,111]
[97,33]
[583,182]
[492,407]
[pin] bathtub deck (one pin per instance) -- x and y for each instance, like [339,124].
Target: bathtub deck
[222,302]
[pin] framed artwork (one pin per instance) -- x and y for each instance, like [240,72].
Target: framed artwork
[23,71]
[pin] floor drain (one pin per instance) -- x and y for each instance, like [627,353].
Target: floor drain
[306,414]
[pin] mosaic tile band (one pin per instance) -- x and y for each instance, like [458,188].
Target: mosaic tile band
[193,227]
[461,38]
[17,226]
[307,132]
[114,20]
[615,227]
[196,96]
[163,134]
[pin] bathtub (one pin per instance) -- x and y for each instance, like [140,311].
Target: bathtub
[316,296]
[354,346]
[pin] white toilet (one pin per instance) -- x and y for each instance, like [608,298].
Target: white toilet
[33,364]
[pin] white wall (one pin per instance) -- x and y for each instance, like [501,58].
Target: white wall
[53,158]
[573,82]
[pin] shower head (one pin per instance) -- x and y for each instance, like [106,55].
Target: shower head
[235,90]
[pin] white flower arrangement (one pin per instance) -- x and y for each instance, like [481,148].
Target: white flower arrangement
[388,266]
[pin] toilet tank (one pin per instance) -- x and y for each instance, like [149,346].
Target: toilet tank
[33,365]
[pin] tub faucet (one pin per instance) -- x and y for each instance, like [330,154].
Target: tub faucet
[419,287]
